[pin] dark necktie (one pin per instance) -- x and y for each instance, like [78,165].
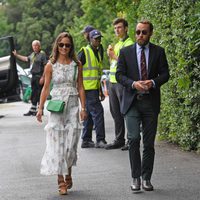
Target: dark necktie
[143,65]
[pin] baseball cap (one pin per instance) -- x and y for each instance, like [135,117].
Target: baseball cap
[87,29]
[95,34]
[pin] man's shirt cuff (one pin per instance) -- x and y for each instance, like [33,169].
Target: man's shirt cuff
[154,85]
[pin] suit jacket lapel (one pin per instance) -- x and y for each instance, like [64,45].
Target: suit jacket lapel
[151,56]
[135,62]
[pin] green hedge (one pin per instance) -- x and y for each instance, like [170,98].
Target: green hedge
[177,25]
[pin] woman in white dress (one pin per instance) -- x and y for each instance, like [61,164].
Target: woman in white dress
[62,129]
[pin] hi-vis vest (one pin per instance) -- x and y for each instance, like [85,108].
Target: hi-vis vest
[113,63]
[92,70]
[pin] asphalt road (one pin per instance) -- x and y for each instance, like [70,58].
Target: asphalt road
[99,175]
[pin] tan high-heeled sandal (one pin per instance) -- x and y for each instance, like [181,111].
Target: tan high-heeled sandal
[68,180]
[62,188]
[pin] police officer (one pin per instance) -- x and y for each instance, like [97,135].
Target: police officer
[115,89]
[92,70]
[38,60]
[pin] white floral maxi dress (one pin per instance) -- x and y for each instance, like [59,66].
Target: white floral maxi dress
[62,130]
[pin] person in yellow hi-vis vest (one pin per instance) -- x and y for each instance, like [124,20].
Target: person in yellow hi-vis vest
[115,89]
[91,60]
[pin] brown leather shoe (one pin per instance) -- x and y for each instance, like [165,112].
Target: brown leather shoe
[146,185]
[136,184]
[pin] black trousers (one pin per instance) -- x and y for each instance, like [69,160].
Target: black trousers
[36,89]
[115,96]
[141,118]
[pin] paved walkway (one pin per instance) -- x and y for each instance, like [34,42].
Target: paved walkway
[100,174]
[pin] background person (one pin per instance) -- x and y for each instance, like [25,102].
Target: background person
[38,60]
[87,29]
[115,89]
[62,128]
[142,69]
[92,70]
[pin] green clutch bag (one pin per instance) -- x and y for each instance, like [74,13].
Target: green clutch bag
[56,106]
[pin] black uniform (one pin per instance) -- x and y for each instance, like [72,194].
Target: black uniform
[38,61]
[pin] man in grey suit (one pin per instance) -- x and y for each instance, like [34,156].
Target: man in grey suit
[142,68]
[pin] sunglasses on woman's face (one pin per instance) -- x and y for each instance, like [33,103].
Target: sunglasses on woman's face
[67,45]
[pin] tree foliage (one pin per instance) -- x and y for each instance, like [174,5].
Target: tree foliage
[4,26]
[40,19]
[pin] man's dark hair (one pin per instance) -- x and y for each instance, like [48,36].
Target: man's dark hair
[144,21]
[120,20]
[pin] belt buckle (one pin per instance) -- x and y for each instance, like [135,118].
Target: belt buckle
[139,97]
